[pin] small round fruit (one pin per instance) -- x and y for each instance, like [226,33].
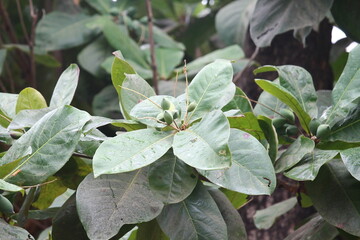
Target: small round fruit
[313,125]
[168,117]
[191,107]
[278,122]
[323,130]
[5,205]
[291,130]
[165,104]
[289,115]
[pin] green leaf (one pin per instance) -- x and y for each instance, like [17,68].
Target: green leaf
[65,87]
[10,232]
[310,164]
[106,103]
[150,231]
[296,151]
[276,17]
[96,122]
[248,123]
[9,187]
[315,229]
[251,171]
[51,142]
[93,55]
[288,98]
[59,30]
[324,101]
[232,21]
[166,60]
[204,149]
[7,108]
[170,179]
[237,199]
[235,225]
[30,98]
[66,223]
[239,102]
[130,151]
[106,203]
[350,157]
[212,88]
[48,193]
[27,118]
[345,91]
[43,214]
[335,194]
[104,7]
[299,83]
[2,58]
[269,131]
[185,220]
[265,218]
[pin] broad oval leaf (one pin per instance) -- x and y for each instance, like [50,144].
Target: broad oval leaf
[240,102]
[212,88]
[51,142]
[130,151]
[108,202]
[251,171]
[335,195]
[248,123]
[288,98]
[30,98]
[295,152]
[27,118]
[65,87]
[185,220]
[235,225]
[170,179]
[279,16]
[10,232]
[350,157]
[205,144]
[9,187]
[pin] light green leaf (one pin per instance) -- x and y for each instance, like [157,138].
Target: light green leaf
[288,98]
[130,151]
[248,123]
[237,199]
[315,229]
[106,203]
[296,151]
[309,166]
[65,87]
[235,225]
[265,218]
[170,179]
[345,91]
[59,30]
[185,220]
[251,171]
[299,83]
[232,21]
[166,60]
[335,194]
[350,157]
[30,98]
[204,149]
[2,59]
[9,187]
[10,232]
[269,131]
[212,88]
[239,102]
[275,17]
[51,141]
[48,193]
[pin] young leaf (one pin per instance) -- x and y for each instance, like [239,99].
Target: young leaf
[212,88]
[251,171]
[350,157]
[235,225]
[336,197]
[51,141]
[204,144]
[106,203]
[294,153]
[130,151]
[171,179]
[30,98]
[185,220]
[288,98]
[265,218]
[65,87]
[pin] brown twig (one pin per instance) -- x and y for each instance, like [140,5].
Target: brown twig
[31,43]
[152,45]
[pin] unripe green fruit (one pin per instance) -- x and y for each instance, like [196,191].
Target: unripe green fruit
[323,130]
[165,104]
[191,106]
[168,117]
[278,122]
[160,116]
[291,130]
[175,114]
[289,115]
[5,205]
[15,134]
[313,125]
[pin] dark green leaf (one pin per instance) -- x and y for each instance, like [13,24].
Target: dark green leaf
[106,203]
[248,123]
[106,103]
[269,131]
[30,98]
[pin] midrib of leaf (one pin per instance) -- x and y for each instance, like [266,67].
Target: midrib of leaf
[299,92]
[172,177]
[338,102]
[4,117]
[346,126]
[191,219]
